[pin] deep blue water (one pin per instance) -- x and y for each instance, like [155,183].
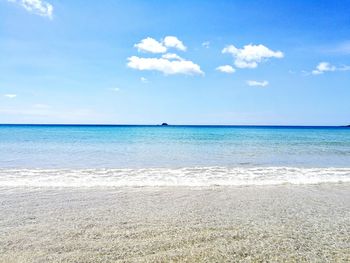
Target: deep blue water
[65,146]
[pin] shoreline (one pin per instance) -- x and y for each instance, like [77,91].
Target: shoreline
[141,224]
[173,177]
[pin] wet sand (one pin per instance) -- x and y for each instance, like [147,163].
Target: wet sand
[287,223]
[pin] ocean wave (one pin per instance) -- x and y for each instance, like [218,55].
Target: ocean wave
[195,176]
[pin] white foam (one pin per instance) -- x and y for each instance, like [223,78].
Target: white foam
[197,176]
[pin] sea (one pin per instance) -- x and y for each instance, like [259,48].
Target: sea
[155,155]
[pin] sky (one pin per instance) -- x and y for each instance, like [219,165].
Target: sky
[195,62]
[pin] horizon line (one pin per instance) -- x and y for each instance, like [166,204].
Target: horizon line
[192,125]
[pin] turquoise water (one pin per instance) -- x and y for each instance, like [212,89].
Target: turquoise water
[114,156]
[79,147]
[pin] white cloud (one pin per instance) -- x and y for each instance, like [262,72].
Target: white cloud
[166,66]
[168,63]
[171,56]
[174,42]
[115,89]
[144,80]
[150,45]
[153,46]
[10,96]
[206,44]
[37,7]
[323,67]
[254,83]
[226,69]
[251,55]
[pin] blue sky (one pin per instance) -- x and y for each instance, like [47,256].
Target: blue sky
[181,62]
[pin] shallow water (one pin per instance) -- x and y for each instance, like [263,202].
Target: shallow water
[172,146]
[172,155]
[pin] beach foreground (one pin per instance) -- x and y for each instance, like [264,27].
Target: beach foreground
[292,223]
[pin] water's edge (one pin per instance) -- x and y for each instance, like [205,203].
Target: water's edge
[189,176]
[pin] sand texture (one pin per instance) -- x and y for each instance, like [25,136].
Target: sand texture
[287,223]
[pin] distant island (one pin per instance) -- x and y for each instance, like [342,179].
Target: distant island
[164,124]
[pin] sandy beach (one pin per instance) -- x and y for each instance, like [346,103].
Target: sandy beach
[174,131]
[287,223]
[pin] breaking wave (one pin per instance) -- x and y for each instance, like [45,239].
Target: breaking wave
[195,176]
